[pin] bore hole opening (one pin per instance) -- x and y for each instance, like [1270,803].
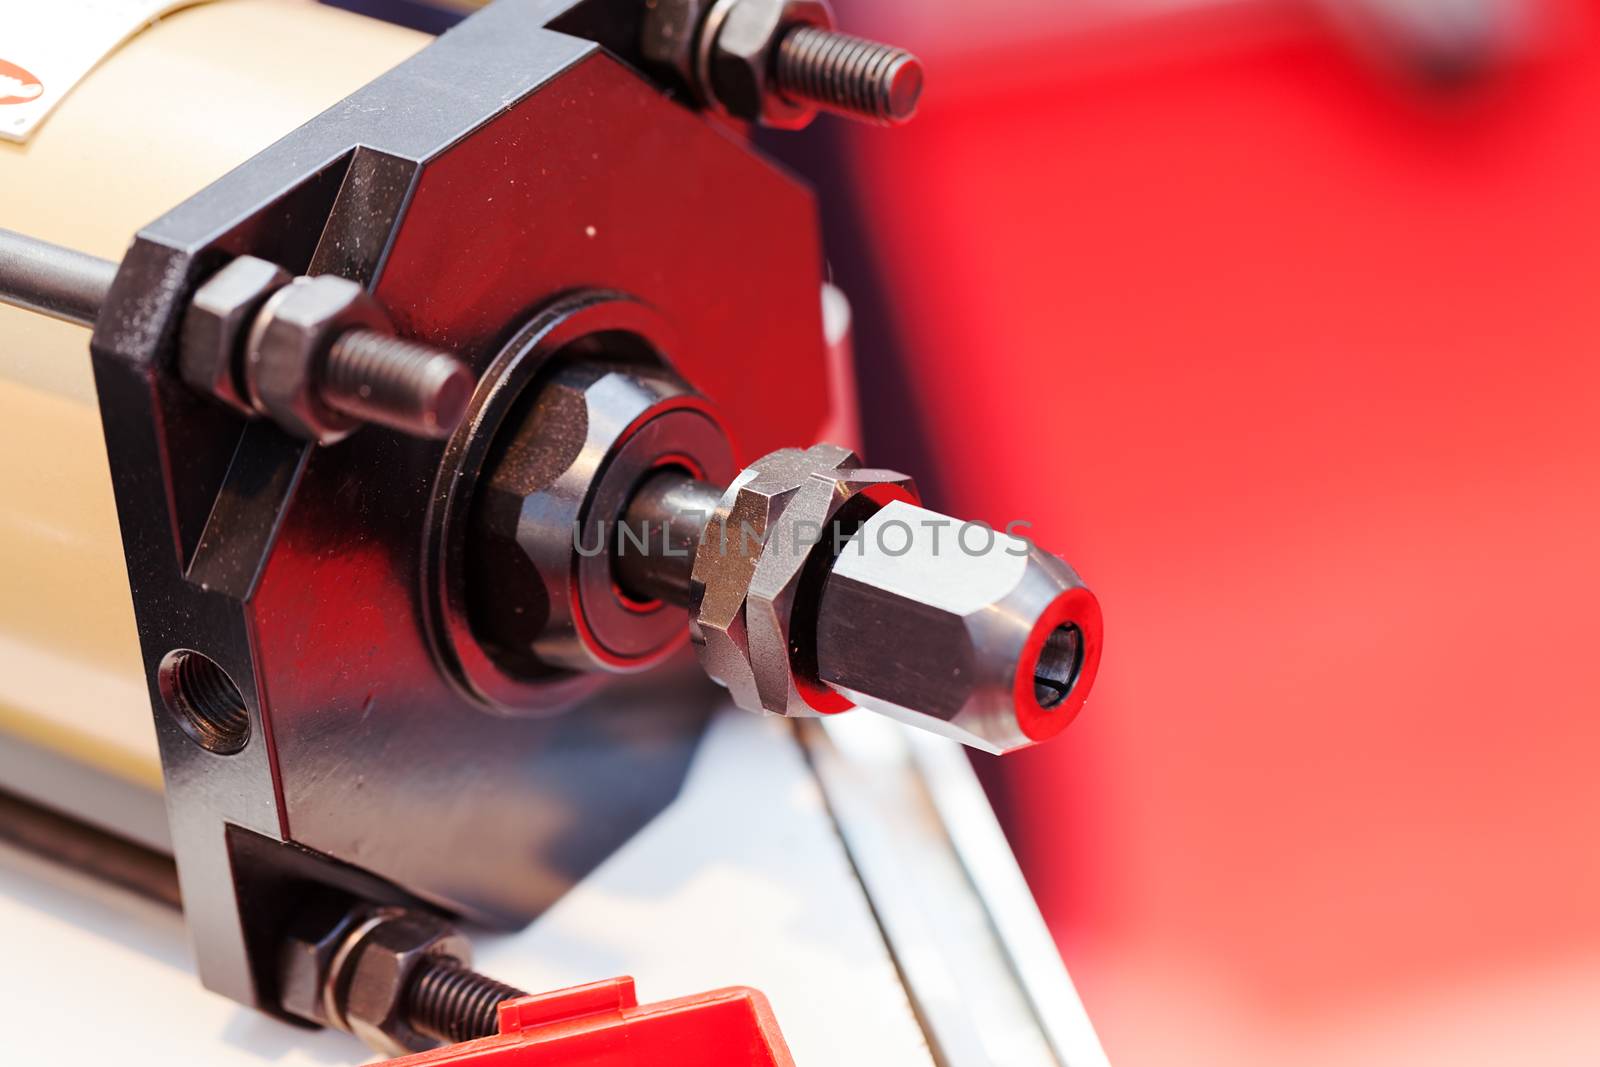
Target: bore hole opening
[1060,660]
[204,700]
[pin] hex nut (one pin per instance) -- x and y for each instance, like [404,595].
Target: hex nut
[726,558]
[564,473]
[305,960]
[289,344]
[211,346]
[742,57]
[667,40]
[751,571]
[1007,637]
[372,981]
[781,603]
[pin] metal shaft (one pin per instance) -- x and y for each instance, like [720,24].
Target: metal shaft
[849,75]
[667,514]
[60,282]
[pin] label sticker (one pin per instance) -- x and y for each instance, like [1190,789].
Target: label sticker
[47,48]
[17,86]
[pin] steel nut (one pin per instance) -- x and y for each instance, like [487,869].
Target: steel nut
[958,629]
[534,481]
[667,40]
[289,344]
[372,982]
[742,59]
[729,550]
[211,346]
[306,959]
[540,582]
[781,604]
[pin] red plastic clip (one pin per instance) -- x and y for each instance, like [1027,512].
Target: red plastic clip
[603,1025]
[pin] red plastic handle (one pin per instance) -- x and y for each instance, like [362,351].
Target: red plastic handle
[603,1025]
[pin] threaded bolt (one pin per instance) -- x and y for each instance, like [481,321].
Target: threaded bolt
[405,385]
[450,1002]
[849,75]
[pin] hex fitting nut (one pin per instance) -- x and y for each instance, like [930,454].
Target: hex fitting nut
[212,343]
[759,568]
[741,59]
[781,604]
[382,955]
[541,583]
[1007,637]
[288,346]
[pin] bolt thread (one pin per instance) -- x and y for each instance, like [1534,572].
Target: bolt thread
[405,385]
[850,75]
[450,1002]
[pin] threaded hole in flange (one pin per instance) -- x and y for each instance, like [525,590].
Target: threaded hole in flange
[1060,661]
[204,700]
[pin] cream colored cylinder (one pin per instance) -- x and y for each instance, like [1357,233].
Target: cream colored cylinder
[170,111]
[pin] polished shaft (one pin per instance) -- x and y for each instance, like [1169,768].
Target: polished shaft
[55,281]
[668,512]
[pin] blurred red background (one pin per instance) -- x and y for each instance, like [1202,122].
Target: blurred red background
[1298,360]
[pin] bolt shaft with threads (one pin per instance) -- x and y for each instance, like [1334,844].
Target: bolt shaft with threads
[451,1002]
[405,385]
[849,75]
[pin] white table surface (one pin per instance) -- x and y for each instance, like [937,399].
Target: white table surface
[742,881]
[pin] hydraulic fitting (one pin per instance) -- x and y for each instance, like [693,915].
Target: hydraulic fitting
[609,508]
[957,628]
[814,584]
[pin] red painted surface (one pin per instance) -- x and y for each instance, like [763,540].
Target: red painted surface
[603,1025]
[1302,371]
[555,188]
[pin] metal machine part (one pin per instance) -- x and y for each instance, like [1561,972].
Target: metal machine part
[55,281]
[317,355]
[600,510]
[399,979]
[1006,637]
[995,644]
[332,625]
[74,695]
[322,583]
[777,62]
[539,598]
[320,360]
[815,584]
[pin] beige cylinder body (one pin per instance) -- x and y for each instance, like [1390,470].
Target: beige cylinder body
[168,112]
